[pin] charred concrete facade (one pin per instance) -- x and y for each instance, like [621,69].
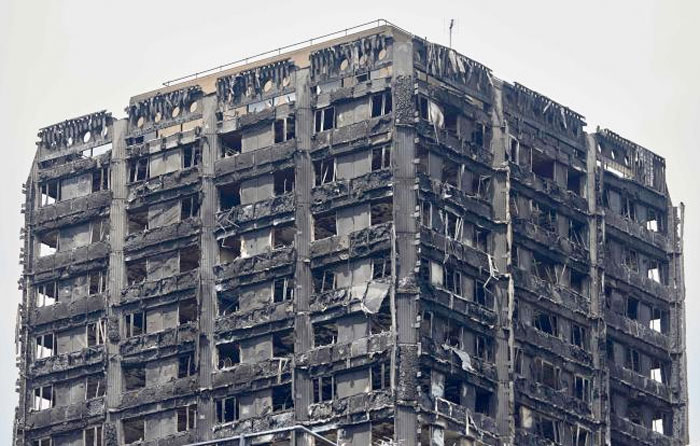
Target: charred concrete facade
[372,238]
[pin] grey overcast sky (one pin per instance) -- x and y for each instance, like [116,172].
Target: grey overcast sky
[629,65]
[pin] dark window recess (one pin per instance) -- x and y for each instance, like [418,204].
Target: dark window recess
[575,181]
[324,119]
[186,418]
[229,196]
[578,282]
[191,156]
[93,436]
[381,268]
[324,280]
[189,207]
[137,221]
[546,323]
[381,158]
[547,374]
[100,179]
[381,212]
[284,181]
[227,410]
[480,238]
[135,324]
[579,336]
[325,333]
[483,347]
[229,354]
[451,172]
[324,171]
[582,388]
[231,144]
[325,226]
[632,308]
[282,398]
[381,104]
[578,232]
[380,322]
[422,107]
[284,129]
[453,389]
[134,377]
[477,136]
[187,311]
[138,169]
[186,365]
[229,248]
[324,388]
[542,165]
[227,302]
[283,236]
[134,430]
[283,290]
[482,402]
[547,428]
[453,280]
[632,360]
[283,345]
[97,281]
[381,376]
[189,259]
[94,386]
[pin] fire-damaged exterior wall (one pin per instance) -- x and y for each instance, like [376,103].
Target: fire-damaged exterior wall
[373,238]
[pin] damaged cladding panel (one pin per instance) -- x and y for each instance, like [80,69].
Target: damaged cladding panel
[372,237]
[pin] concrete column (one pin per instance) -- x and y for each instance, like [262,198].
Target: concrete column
[117,269]
[208,258]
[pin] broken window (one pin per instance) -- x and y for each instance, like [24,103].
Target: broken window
[543,268]
[324,388]
[547,428]
[654,221]
[381,157]
[137,221]
[452,280]
[542,165]
[136,272]
[283,236]
[513,152]
[325,225]
[46,294]
[186,365]
[324,171]
[380,374]
[48,243]
[189,259]
[282,345]
[229,354]
[575,181]
[451,172]
[50,192]
[228,302]
[578,232]
[422,106]
[191,156]
[94,386]
[381,268]
[283,290]
[579,436]
[546,323]
[453,389]
[628,208]
[578,282]
[187,311]
[45,346]
[631,259]
[231,144]
[284,181]
[44,398]
[284,129]
[579,337]
[95,333]
[100,179]
[453,334]
[657,424]
[324,119]
[97,281]
[186,417]
[325,333]
[380,322]
[282,398]
[138,169]
[382,433]
[657,372]
[632,360]
[189,207]
[480,187]
[229,248]
[655,323]
[480,296]
[324,280]
[381,104]
[544,216]
[100,230]
[227,410]
[483,348]
[381,212]
[133,429]
[134,377]
[545,373]
[134,324]
[482,402]
[46,441]
[582,388]
[654,271]
[92,436]
[480,238]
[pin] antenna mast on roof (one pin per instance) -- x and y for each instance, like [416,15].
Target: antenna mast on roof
[452,24]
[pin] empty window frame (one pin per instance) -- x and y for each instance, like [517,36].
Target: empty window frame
[100,179]
[483,348]
[380,376]
[325,333]
[45,346]
[283,290]
[134,430]
[227,302]
[189,207]
[186,365]
[578,232]
[325,225]
[381,268]
[92,436]
[282,344]
[283,236]
[97,281]
[136,272]
[381,157]
[582,388]
[137,221]
[94,386]
[575,181]
[44,398]
[546,373]
[191,156]
[542,165]
[548,428]
[580,436]
[381,212]
[139,169]
[95,333]
[135,324]
[324,171]
[282,398]
[284,129]
[99,230]
[186,417]
[380,104]
[658,372]
[324,388]
[231,144]
[633,360]
[324,119]
[49,192]
[579,336]
[133,377]
[452,280]
[544,269]
[48,243]
[46,294]
[46,441]
[229,248]
[283,181]
[546,323]
[187,311]
[324,280]
[229,354]
[227,410]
